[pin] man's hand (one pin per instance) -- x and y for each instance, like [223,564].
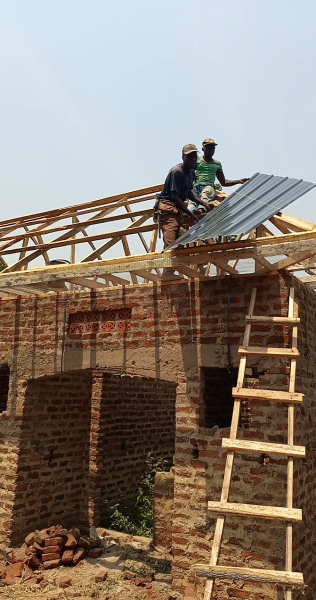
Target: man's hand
[242,181]
[193,218]
[206,205]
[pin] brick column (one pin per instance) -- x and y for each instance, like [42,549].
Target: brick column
[91,504]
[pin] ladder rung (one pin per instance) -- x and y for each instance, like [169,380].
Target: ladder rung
[294,321]
[263,447]
[253,510]
[285,578]
[273,395]
[264,351]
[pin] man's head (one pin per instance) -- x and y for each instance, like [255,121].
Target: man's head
[209,147]
[189,156]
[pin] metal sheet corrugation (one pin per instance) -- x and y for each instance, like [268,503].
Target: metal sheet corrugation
[247,208]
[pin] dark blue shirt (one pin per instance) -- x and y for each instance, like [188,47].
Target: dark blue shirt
[178,180]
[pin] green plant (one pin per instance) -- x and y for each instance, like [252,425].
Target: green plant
[139,519]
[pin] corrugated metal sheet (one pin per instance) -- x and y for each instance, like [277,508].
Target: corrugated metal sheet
[247,208]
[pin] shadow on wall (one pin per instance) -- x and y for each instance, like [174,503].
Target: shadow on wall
[54,441]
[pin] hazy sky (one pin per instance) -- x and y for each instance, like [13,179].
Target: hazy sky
[99,97]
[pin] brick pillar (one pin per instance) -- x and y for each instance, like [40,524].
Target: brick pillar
[95,452]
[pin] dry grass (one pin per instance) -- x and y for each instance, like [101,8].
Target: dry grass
[137,557]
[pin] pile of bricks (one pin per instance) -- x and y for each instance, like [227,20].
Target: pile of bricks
[48,549]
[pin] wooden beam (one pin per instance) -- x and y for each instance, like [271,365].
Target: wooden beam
[279,225]
[191,273]
[250,447]
[94,204]
[57,241]
[274,513]
[267,395]
[290,260]
[265,351]
[293,222]
[282,578]
[76,224]
[275,320]
[132,228]
[98,236]
[116,280]
[89,283]
[147,275]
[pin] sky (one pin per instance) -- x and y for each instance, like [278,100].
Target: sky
[99,97]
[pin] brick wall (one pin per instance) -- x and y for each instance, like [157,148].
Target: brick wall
[200,460]
[139,417]
[169,333]
[53,441]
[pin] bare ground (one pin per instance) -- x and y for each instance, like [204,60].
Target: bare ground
[128,553]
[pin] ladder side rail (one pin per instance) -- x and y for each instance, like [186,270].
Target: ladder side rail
[290,440]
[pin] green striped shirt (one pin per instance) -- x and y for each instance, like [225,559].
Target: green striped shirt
[206,171]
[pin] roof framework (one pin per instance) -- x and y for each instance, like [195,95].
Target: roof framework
[84,234]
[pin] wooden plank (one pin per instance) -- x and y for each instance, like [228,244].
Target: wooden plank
[153,241]
[272,395]
[128,253]
[116,280]
[98,236]
[22,254]
[94,204]
[147,275]
[276,320]
[262,351]
[191,273]
[225,266]
[290,439]
[293,222]
[303,266]
[135,227]
[264,448]
[246,574]
[279,225]
[287,262]
[115,266]
[260,260]
[89,283]
[310,280]
[157,260]
[274,513]
[80,224]
[61,238]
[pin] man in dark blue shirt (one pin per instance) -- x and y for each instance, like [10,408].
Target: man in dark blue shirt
[171,200]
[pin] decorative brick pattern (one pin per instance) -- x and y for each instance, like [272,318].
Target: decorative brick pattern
[95,321]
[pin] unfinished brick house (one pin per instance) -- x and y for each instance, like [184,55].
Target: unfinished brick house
[94,379]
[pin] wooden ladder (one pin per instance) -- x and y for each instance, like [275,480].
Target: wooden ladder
[286,578]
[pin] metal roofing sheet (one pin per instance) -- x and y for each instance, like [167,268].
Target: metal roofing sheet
[247,208]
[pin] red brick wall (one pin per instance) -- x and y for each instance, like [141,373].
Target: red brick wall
[169,333]
[139,418]
[53,442]
[200,460]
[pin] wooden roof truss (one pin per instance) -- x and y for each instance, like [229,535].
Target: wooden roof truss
[85,234]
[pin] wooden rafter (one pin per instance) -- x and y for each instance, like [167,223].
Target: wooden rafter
[72,229]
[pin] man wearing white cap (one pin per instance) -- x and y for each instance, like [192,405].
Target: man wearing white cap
[207,170]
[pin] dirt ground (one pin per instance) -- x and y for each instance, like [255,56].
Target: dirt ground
[127,554]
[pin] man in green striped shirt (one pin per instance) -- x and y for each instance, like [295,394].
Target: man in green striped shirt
[207,170]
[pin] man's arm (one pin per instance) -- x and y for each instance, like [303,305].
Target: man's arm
[194,198]
[229,182]
[181,206]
